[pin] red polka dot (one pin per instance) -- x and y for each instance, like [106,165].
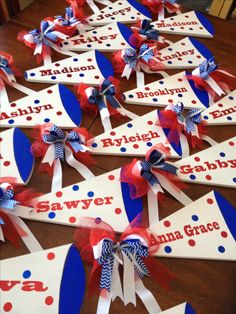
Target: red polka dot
[150,122]
[170,100]
[199,57]
[186,16]
[210,201]
[208,177]
[224,234]
[111,177]
[49,91]
[191,242]
[166,223]
[123,44]
[193,102]
[29,118]
[96,77]
[196,158]
[57,64]
[50,256]
[89,60]
[180,59]
[147,88]
[59,194]
[13,104]
[200,27]
[72,219]
[220,105]
[112,133]
[118,211]
[231,143]
[180,79]
[69,75]
[6,163]
[0,139]
[59,113]
[7,307]
[110,28]
[49,300]
[135,146]
[183,44]
[181,27]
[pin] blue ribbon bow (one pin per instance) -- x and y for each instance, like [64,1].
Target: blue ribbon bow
[70,19]
[148,31]
[75,141]
[4,65]
[6,200]
[132,57]
[42,35]
[156,160]
[206,68]
[108,91]
[132,248]
[193,117]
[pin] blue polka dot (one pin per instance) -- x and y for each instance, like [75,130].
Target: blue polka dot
[168,249]
[149,144]
[108,45]
[191,29]
[46,120]
[81,75]
[94,145]
[129,125]
[172,29]
[231,97]
[234,180]
[94,32]
[132,17]
[180,95]
[112,18]
[131,96]
[192,177]
[190,62]
[195,218]
[89,46]
[66,43]
[110,8]
[169,62]
[229,118]
[51,215]
[11,121]
[98,220]
[26,274]
[36,101]
[221,249]
[75,187]
[32,74]
[75,59]
[123,149]
[161,82]
[170,49]
[90,194]
[154,99]
[53,77]
[222,154]
[205,117]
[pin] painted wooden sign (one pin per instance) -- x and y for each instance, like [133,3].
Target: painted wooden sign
[184,308]
[191,23]
[57,288]
[205,229]
[16,160]
[89,68]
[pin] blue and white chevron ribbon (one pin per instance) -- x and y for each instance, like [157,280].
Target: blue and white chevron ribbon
[56,137]
[148,31]
[193,118]
[6,200]
[206,68]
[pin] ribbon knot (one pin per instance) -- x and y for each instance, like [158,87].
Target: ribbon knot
[6,200]
[56,137]
[206,68]
[69,19]
[45,34]
[156,160]
[75,141]
[132,56]
[148,31]
[193,117]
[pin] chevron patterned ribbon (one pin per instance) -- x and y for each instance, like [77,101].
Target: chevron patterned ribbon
[5,71]
[193,118]
[156,160]
[69,19]
[132,56]
[56,137]
[179,109]
[6,200]
[45,34]
[75,141]
[148,31]
[206,68]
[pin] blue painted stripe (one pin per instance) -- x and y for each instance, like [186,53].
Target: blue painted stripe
[70,104]
[205,22]
[202,95]
[228,212]
[22,152]
[141,8]
[133,207]
[189,309]
[126,32]
[72,287]
[104,64]
[203,50]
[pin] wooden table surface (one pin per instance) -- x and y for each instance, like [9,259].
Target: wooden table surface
[209,286]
